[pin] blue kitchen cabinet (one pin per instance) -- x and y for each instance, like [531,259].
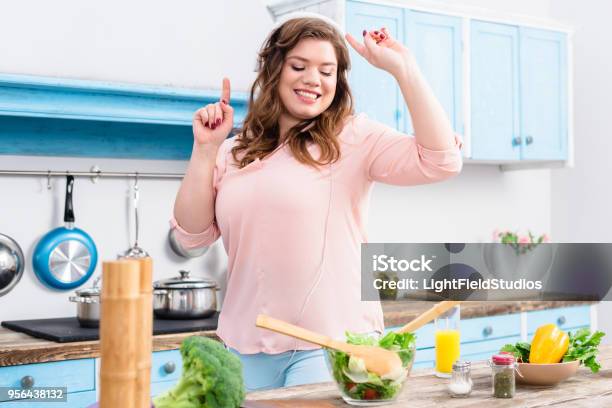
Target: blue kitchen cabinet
[159,388]
[436,42]
[480,338]
[543,72]
[518,93]
[79,376]
[74,400]
[495,92]
[375,91]
[166,366]
[484,336]
[515,105]
[567,318]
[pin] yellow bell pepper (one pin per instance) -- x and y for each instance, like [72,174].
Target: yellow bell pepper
[549,345]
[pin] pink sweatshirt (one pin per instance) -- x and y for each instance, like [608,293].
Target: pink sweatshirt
[288,228]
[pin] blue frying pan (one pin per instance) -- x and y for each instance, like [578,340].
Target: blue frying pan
[65,257]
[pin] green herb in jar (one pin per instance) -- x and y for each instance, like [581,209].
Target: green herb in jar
[502,366]
[503,384]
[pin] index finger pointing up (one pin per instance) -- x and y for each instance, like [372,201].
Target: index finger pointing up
[225,91]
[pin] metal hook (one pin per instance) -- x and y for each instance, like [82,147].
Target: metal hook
[136,220]
[48,179]
[95,169]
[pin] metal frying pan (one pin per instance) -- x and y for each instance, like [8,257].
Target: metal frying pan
[65,257]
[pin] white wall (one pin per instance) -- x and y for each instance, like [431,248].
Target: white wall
[193,44]
[465,209]
[581,196]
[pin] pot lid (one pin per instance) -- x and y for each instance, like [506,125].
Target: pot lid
[184,282]
[93,291]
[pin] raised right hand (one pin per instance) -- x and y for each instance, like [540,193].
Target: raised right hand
[213,123]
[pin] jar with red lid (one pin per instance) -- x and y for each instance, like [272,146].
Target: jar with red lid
[502,375]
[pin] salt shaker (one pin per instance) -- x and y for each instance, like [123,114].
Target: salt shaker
[460,385]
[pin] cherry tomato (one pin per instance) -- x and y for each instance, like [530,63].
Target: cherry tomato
[370,394]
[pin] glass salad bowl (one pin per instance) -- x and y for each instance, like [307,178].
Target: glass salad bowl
[360,387]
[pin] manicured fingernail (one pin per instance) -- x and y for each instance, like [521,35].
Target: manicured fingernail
[218,122]
[223,101]
[382,36]
[213,126]
[376,32]
[206,124]
[364,32]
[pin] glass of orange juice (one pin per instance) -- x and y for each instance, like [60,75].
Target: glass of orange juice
[447,341]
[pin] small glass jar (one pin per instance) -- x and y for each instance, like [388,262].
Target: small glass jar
[502,375]
[460,385]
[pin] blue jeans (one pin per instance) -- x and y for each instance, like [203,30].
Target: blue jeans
[265,371]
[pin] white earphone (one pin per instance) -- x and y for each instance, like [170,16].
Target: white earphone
[318,277]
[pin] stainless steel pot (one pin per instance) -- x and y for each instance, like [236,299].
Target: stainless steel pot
[88,305]
[184,297]
[11,264]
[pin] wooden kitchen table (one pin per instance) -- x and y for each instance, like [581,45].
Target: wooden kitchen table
[422,389]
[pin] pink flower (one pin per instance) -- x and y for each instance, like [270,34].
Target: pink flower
[545,238]
[496,234]
[524,240]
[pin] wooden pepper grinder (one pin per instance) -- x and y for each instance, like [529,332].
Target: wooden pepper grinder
[144,332]
[120,303]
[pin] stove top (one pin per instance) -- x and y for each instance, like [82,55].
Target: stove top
[67,329]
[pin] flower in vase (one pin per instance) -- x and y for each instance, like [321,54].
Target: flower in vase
[521,243]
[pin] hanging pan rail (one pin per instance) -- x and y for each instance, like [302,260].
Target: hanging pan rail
[94,174]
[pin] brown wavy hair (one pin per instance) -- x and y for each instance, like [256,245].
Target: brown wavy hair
[259,135]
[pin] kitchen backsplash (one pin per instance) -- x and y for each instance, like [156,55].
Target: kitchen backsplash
[466,208]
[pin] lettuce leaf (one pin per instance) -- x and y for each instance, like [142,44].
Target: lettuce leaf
[584,348]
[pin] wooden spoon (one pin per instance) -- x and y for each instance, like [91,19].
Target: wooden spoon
[428,316]
[377,359]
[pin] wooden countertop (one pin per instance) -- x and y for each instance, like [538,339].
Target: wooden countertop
[422,389]
[398,313]
[18,348]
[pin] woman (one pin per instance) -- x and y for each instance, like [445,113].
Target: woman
[289,194]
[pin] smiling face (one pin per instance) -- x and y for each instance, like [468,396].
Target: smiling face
[308,81]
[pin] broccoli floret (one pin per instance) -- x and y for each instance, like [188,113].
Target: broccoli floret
[212,377]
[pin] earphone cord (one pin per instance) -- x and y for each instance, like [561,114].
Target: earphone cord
[316,282]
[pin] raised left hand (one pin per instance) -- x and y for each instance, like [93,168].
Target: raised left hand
[383,51]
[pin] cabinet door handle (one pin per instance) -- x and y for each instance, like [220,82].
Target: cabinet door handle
[398,115]
[487,331]
[529,140]
[517,141]
[169,367]
[27,381]
[561,320]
